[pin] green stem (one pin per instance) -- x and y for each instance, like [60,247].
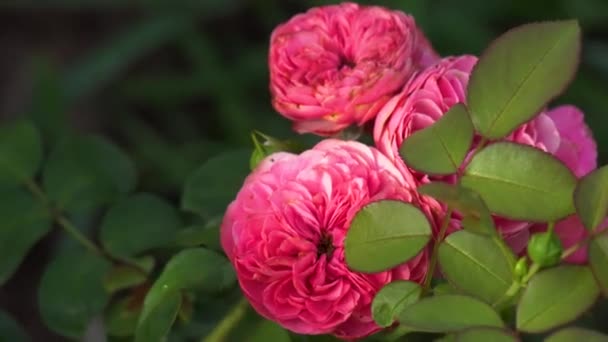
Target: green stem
[74,232]
[511,291]
[61,220]
[533,270]
[222,330]
[433,262]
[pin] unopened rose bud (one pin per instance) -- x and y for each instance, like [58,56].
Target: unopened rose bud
[545,249]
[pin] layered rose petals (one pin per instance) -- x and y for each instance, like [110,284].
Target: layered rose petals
[285,234]
[430,94]
[335,66]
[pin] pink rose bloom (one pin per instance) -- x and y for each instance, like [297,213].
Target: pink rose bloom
[285,232]
[335,66]
[431,93]
[577,148]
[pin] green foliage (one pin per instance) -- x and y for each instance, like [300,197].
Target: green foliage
[207,234]
[521,182]
[476,216]
[139,223]
[190,269]
[485,335]
[476,265]
[384,234]
[390,301]
[122,277]
[20,152]
[556,296]
[519,73]
[71,292]
[545,249]
[441,147]
[598,259]
[24,222]
[591,198]
[121,317]
[577,334]
[447,313]
[10,330]
[84,173]
[204,194]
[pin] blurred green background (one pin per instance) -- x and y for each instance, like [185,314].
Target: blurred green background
[176,82]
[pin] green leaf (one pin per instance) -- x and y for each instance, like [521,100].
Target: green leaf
[476,265]
[121,318]
[122,276]
[591,198]
[521,182]
[441,147]
[20,152]
[485,335]
[577,334]
[24,222]
[139,223]
[190,269]
[204,194]
[83,173]
[155,323]
[447,313]
[385,234]
[392,299]
[598,261]
[10,330]
[476,216]
[266,330]
[519,73]
[549,301]
[71,292]
[207,234]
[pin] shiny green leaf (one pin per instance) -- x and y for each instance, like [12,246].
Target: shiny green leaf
[83,173]
[520,72]
[476,265]
[485,335]
[204,194]
[598,261]
[139,223]
[20,152]
[24,222]
[556,296]
[207,234]
[384,234]
[125,276]
[574,334]
[441,147]
[392,299]
[121,318]
[476,216]
[521,182]
[71,292]
[447,313]
[591,198]
[190,269]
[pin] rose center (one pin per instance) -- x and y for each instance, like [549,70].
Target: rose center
[325,246]
[346,62]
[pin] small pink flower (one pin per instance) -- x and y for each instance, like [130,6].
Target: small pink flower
[577,148]
[335,66]
[285,232]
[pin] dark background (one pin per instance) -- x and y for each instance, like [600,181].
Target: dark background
[175,82]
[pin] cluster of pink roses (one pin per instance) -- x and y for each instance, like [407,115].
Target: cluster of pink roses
[330,68]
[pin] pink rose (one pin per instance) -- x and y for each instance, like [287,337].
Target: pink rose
[577,148]
[430,94]
[284,233]
[335,66]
